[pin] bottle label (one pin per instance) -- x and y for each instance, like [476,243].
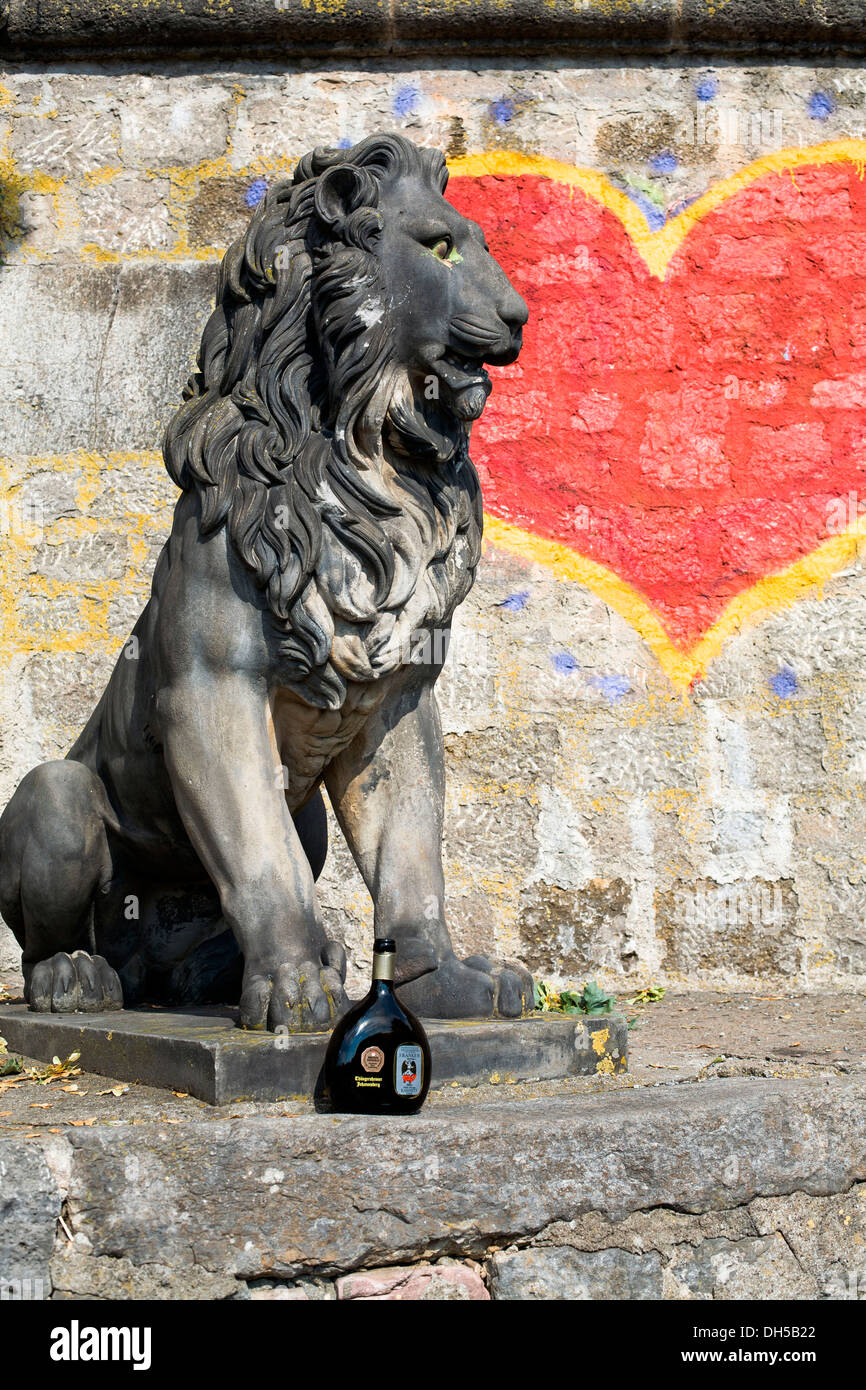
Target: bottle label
[408,1070]
[372,1059]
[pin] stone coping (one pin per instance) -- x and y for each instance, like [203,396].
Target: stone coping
[279,28]
[252,1197]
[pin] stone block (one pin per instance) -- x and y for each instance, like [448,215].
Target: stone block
[265,134]
[565,1273]
[172,120]
[570,932]
[78,135]
[220,211]
[761,1268]
[421,1283]
[749,926]
[827,1236]
[115,344]
[29,1208]
[75,1276]
[129,213]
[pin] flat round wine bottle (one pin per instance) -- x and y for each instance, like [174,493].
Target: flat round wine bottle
[378,1058]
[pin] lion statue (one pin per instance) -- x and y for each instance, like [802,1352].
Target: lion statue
[329,518]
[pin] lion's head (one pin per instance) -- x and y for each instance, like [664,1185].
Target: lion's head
[328,421]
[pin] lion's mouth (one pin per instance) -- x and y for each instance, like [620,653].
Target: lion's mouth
[467,382]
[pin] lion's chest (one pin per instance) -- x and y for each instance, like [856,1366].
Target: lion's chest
[310,739]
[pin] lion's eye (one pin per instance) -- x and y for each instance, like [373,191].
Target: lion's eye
[441,248]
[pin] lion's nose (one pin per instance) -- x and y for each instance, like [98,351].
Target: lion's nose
[513,311]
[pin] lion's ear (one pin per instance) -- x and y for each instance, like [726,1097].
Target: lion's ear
[346,199]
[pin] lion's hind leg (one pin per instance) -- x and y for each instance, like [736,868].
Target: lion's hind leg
[54,857]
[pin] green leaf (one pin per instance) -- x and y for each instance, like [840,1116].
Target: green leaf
[651,995]
[570,1002]
[590,1000]
[595,1001]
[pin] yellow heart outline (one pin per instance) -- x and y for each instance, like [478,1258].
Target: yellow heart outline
[773,592]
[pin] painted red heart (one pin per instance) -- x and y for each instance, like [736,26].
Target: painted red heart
[689,433]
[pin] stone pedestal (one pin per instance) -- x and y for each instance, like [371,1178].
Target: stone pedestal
[203,1053]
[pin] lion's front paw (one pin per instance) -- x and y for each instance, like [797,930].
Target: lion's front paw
[473,988]
[79,983]
[305,998]
[514,990]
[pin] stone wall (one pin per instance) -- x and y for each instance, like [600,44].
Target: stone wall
[654,703]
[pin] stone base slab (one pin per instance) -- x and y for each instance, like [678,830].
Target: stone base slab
[204,1054]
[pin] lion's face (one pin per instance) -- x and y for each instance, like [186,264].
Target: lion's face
[327,423]
[452,306]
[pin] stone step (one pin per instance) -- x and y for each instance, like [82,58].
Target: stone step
[731,1188]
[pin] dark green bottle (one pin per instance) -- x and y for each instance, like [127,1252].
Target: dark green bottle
[378,1058]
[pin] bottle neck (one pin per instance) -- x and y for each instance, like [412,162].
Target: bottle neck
[383,968]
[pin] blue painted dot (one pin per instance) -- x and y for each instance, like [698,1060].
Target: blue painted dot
[502,111]
[707,88]
[564,663]
[664,163]
[821,105]
[406,101]
[614,688]
[256,191]
[515,602]
[785,682]
[344,143]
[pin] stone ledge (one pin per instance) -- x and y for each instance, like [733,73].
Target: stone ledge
[710,1189]
[323,1195]
[278,28]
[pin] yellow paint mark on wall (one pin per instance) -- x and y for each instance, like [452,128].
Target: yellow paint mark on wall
[657,248]
[769,595]
[86,622]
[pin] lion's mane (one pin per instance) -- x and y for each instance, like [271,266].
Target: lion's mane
[281,431]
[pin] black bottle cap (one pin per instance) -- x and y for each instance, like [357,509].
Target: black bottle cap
[384,943]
